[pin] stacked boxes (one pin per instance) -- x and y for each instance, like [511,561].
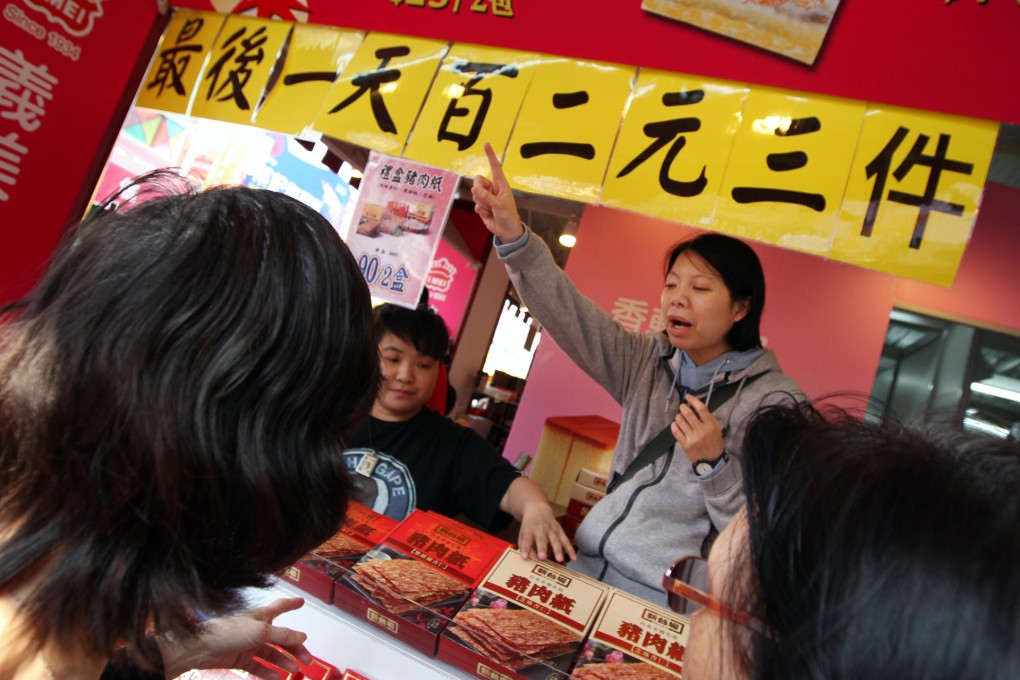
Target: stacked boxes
[525,620]
[568,444]
[317,572]
[417,578]
[634,639]
[587,490]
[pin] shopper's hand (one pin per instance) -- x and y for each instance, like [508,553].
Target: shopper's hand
[541,534]
[494,202]
[697,431]
[235,641]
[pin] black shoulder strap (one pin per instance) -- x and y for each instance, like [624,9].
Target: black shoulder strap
[664,441]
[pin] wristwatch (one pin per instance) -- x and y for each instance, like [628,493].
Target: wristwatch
[703,468]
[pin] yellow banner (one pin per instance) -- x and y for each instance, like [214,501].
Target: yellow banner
[887,188]
[238,69]
[474,99]
[315,57]
[673,146]
[175,68]
[376,100]
[914,191]
[563,138]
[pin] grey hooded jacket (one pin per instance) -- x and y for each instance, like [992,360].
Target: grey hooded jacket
[664,511]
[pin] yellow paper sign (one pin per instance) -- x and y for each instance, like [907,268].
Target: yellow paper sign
[178,61]
[474,99]
[315,57]
[376,100]
[913,194]
[673,147]
[788,169]
[238,68]
[564,137]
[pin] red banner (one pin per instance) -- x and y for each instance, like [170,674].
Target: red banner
[67,75]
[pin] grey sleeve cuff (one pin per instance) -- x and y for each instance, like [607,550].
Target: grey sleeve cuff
[505,249]
[722,479]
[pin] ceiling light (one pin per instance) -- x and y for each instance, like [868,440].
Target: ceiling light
[569,236]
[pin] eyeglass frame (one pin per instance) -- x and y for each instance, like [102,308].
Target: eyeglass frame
[675,586]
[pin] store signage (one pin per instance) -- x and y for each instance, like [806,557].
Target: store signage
[397,224]
[828,176]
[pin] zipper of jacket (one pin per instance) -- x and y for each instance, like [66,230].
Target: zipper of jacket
[627,509]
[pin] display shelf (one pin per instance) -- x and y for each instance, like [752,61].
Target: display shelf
[350,643]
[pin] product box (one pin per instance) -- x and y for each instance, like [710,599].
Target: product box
[416,579]
[593,479]
[582,498]
[568,445]
[634,639]
[527,620]
[353,675]
[317,572]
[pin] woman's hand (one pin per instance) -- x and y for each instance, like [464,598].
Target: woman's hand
[235,641]
[494,202]
[541,534]
[697,431]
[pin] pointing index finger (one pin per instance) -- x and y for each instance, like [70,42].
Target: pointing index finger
[497,168]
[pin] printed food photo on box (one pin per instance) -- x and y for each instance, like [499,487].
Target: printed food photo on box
[526,620]
[418,577]
[318,571]
[634,639]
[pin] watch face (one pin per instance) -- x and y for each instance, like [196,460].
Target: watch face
[702,468]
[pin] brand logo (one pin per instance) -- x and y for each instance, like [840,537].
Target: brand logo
[441,275]
[387,488]
[76,17]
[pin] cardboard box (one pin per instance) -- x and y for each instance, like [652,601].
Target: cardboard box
[317,572]
[353,675]
[417,578]
[582,499]
[526,620]
[634,638]
[319,670]
[568,445]
[593,479]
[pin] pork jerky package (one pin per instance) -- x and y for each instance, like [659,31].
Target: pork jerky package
[634,640]
[526,620]
[413,582]
[316,573]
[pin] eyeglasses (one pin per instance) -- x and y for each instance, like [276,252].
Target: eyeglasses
[685,582]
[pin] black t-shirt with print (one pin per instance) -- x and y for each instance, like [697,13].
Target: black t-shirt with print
[431,463]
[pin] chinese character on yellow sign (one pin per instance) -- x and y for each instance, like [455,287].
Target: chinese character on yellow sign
[378,95]
[178,62]
[788,169]
[913,194]
[315,57]
[238,69]
[563,138]
[673,146]
[474,99]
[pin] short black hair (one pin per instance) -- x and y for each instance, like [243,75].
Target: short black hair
[174,395]
[420,326]
[741,271]
[880,549]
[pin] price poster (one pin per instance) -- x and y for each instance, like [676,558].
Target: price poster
[398,221]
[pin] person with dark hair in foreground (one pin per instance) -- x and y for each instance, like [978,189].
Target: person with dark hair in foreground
[865,551]
[409,456]
[174,398]
[686,391]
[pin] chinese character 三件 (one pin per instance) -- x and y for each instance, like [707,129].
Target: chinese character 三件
[879,169]
[562,100]
[662,133]
[457,109]
[237,75]
[371,81]
[24,89]
[784,162]
[174,61]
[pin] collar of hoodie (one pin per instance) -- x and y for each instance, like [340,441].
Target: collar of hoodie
[689,377]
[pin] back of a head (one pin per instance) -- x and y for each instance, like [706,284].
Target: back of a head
[880,550]
[420,326]
[173,396]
